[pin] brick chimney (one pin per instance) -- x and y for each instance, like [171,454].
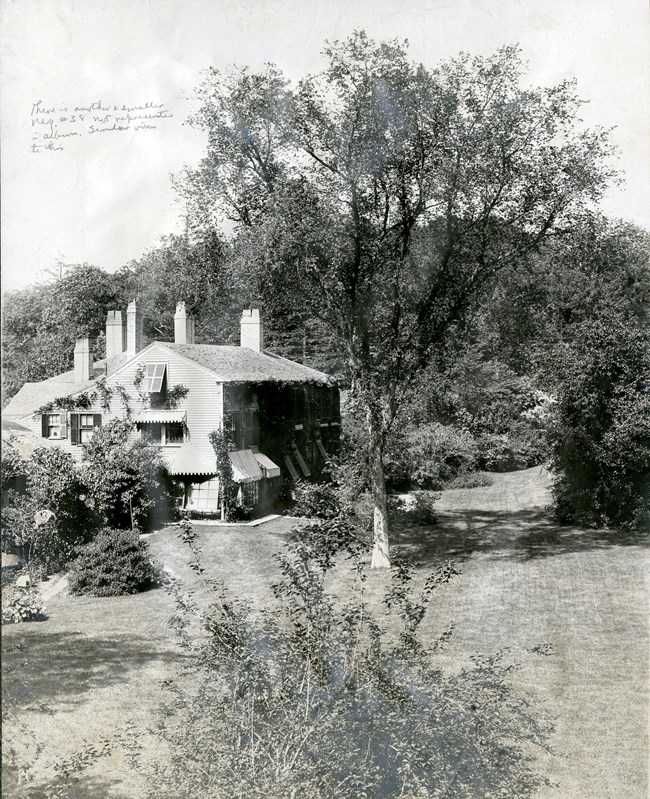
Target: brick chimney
[115,334]
[134,325]
[251,330]
[83,360]
[183,325]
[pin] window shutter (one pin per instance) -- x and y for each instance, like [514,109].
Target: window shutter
[63,418]
[74,428]
[97,420]
[44,425]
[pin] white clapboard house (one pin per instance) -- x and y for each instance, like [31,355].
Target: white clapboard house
[283,417]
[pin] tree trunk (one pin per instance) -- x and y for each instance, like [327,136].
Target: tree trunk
[380,550]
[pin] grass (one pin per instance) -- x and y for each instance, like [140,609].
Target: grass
[568,603]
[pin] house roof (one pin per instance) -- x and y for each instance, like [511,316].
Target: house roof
[244,365]
[229,364]
[34,395]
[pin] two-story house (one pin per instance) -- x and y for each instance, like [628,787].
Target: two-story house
[283,417]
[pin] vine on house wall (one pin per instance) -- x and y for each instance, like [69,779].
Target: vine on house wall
[67,403]
[104,394]
[222,444]
[125,398]
[175,396]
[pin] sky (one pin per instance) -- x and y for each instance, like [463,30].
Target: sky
[75,188]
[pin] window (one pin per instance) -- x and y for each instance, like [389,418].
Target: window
[154,376]
[174,433]
[203,496]
[82,426]
[250,494]
[235,429]
[298,403]
[86,427]
[252,429]
[243,427]
[53,425]
[166,433]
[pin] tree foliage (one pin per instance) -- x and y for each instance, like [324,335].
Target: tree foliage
[54,514]
[601,435]
[127,477]
[41,324]
[387,196]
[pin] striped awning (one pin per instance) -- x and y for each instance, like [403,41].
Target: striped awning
[269,469]
[187,459]
[160,417]
[245,467]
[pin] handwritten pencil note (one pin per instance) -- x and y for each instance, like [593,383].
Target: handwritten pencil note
[55,126]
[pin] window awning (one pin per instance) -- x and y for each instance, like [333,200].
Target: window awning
[269,469]
[160,417]
[246,469]
[187,459]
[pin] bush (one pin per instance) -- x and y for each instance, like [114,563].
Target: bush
[601,430]
[325,696]
[53,515]
[117,562]
[127,478]
[430,454]
[417,510]
[470,480]
[523,446]
[315,500]
[22,604]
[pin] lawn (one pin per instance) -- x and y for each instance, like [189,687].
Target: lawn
[568,604]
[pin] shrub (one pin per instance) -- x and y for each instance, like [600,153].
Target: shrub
[417,510]
[434,453]
[521,447]
[117,562]
[324,696]
[22,604]
[470,480]
[315,500]
[601,429]
[127,478]
[54,514]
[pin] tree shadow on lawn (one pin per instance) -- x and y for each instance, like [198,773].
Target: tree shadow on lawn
[516,535]
[40,669]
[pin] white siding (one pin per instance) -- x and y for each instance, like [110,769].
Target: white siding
[203,403]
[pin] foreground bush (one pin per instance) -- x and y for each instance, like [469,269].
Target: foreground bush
[117,562]
[323,696]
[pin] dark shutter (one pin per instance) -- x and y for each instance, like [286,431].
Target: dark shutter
[97,420]
[44,425]
[74,428]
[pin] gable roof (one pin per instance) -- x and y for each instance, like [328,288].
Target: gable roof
[242,365]
[32,396]
[229,364]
